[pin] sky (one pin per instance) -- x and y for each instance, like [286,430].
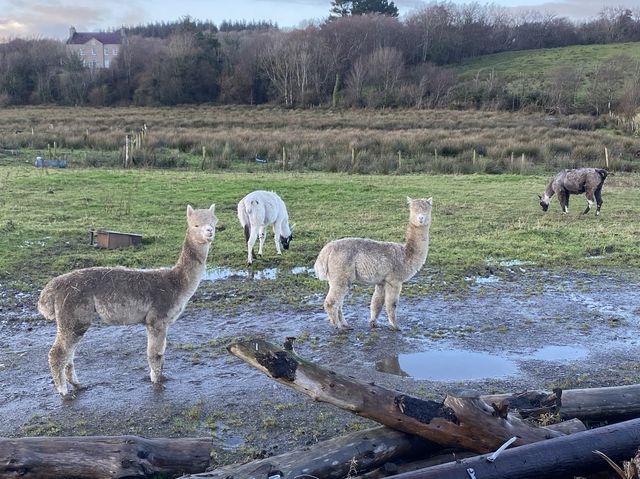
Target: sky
[52,18]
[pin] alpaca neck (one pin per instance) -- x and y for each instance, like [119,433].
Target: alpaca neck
[192,262]
[416,245]
[548,192]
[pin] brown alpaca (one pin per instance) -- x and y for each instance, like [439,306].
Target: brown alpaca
[383,264]
[153,297]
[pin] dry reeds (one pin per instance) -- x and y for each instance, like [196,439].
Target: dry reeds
[358,141]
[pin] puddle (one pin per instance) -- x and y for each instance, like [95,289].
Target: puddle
[450,365]
[460,365]
[483,279]
[221,274]
[560,353]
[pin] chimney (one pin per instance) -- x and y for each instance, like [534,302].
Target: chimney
[72,32]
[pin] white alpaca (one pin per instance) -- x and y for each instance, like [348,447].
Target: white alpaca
[153,297]
[258,210]
[384,265]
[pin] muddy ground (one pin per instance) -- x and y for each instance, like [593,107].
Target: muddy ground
[525,330]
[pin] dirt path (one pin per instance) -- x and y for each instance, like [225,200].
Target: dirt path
[538,330]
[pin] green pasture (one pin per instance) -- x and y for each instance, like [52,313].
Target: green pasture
[511,66]
[478,220]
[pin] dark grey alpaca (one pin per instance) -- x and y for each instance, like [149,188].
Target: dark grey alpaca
[573,182]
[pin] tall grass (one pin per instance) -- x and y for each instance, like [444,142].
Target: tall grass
[354,141]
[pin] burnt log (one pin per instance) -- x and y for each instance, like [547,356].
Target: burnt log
[331,459]
[560,457]
[463,421]
[101,457]
[598,404]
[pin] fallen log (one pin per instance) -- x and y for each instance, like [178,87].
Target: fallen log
[559,457]
[600,404]
[331,459]
[463,421]
[101,457]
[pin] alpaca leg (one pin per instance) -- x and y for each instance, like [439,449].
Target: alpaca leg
[391,297]
[262,236]
[253,236]
[70,369]
[61,358]
[590,200]
[333,305]
[562,198]
[276,237]
[377,300]
[156,345]
[57,361]
[598,195]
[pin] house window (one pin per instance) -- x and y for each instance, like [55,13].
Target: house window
[93,52]
[106,51]
[115,50]
[106,63]
[81,52]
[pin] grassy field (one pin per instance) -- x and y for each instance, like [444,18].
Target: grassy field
[353,141]
[524,72]
[510,66]
[478,220]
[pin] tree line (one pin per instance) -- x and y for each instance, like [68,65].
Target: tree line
[352,59]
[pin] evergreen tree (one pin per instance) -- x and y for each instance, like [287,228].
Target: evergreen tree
[344,8]
[340,8]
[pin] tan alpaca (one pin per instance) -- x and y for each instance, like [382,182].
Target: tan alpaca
[382,264]
[153,297]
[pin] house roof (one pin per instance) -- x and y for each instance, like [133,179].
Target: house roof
[106,38]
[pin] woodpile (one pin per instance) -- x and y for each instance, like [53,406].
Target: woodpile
[464,436]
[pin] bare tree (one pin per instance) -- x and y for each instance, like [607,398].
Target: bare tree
[562,85]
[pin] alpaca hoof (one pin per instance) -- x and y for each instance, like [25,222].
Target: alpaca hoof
[373,325]
[80,386]
[394,327]
[68,396]
[344,328]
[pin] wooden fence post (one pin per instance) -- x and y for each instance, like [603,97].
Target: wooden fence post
[353,156]
[606,157]
[127,148]
[284,158]
[399,160]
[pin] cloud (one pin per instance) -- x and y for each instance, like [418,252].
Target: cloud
[52,18]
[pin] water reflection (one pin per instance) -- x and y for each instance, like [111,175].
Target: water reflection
[460,365]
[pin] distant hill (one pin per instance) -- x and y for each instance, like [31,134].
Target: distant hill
[580,78]
[510,66]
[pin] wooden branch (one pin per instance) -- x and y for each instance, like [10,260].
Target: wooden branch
[559,457]
[101,457]
[612,403]
[465,422]
[333,458]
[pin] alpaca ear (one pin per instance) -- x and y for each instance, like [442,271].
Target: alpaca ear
[292,227]
[540,197]
[212,208]
[189,211]
[430,200]
[409,200]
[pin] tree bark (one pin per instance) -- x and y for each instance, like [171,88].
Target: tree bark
[100,457]
[331,459]
[465,422]
[559,457]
